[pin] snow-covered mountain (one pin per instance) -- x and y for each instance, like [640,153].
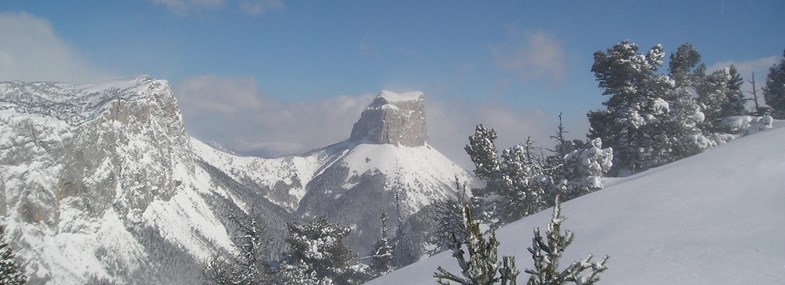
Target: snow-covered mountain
[101,183]
[386,159]
[714,218]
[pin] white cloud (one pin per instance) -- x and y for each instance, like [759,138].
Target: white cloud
[184,8]
[258,7]
[32,51]
[234,112]
[759,65]
[535,55]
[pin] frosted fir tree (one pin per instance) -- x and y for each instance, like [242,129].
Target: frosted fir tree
[647,120]
[685,67]
[249,265]
[524,181]
[482,266]
[547,251]
[448,215]
[720,96]
[774,89]
[482,151]
[317,254]
[382,261]
[736,101]
[10,271]
[584,167]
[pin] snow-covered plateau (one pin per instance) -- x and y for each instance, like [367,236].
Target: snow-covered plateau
[714,218]
[101,183]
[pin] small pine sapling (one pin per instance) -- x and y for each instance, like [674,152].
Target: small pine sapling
[546,255]
[483,266]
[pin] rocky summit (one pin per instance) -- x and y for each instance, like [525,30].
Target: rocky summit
[393,118]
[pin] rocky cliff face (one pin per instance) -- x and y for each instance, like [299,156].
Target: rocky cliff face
[393,118]
[98,183]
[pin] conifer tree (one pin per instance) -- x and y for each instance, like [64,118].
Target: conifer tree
[316,254]
[249,266]
[584,167]
[685,67]
[524,181]
[482,151]
[449,224]
[647,120]
[10,271]
[774,89]
[546,253]
[736,102]
[483,266]
[382,256]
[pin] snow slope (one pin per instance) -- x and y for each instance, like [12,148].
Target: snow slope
[714,218]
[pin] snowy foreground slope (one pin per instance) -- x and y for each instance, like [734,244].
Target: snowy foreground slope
[714,218]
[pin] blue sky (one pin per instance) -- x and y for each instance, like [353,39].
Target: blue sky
[246,71]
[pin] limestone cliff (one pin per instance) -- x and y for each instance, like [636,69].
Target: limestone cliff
[393,118]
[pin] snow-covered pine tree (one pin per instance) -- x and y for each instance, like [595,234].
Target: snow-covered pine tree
[720,96]
[10,271]
[448,215]
[524,182]
[547,251]
[712,97]
[737,104]
[685,67]
[584,167]
[518,183]
[249,265]
[555,162]
[648,121]
[382,261]
[483,266]
[482,151]
[317,254]
[774,89]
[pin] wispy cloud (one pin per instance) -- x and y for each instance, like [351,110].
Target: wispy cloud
[759,65]
[258,7]
[234,112]
[32,51]
[532,56]
[184,8]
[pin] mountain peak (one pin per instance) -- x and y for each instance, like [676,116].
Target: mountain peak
[393,118]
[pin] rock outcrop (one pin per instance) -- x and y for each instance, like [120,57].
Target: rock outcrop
[393,118]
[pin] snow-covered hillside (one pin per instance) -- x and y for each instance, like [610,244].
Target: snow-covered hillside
[98,183]
[348,182]
[714,218]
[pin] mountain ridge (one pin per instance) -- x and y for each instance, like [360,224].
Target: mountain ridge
[101,183]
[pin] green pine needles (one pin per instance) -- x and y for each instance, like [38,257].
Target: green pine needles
[547,251]
[483,266]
